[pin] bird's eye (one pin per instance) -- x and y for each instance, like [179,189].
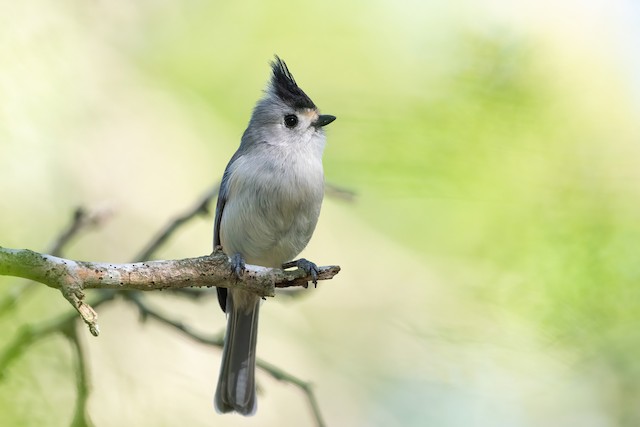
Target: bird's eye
[290,120]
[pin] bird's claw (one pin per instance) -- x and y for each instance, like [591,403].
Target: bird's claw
[307,266]
[237,265]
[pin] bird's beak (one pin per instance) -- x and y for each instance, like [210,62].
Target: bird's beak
[323,120]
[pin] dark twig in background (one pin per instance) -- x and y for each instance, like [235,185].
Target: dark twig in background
[337,192]
[81,415]
[82,220]
[201,207]
[217,340]
[306,387]
[147,313]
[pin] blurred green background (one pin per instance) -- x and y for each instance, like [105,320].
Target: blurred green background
[490,269]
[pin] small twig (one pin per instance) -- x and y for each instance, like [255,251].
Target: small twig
[338,192]
[81,415]
[305,386]
[81,220]
[200,208]
[147,312]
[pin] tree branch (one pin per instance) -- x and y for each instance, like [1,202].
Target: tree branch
[72,277]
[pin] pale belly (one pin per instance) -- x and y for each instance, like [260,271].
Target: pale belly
[268,224]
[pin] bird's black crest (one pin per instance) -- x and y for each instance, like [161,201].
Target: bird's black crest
[285,87]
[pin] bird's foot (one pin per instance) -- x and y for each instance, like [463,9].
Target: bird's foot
[237,265]
[307,266]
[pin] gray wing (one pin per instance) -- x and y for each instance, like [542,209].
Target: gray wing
[222,200]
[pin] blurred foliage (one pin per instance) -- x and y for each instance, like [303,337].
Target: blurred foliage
[506,162]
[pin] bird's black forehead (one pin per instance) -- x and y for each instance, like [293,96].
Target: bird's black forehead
[285,87]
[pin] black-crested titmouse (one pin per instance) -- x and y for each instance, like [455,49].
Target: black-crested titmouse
[267,209]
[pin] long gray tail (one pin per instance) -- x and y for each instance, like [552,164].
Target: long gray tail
[236,389]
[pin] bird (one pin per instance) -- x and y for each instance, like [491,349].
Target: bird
[268,207]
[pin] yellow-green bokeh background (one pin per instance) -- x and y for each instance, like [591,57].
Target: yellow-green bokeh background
[490,262]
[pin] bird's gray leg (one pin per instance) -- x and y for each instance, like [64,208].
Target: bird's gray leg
[237,265]
[306,266]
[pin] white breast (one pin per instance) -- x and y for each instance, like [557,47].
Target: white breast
[273,204]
